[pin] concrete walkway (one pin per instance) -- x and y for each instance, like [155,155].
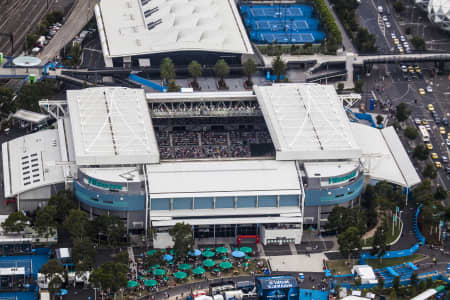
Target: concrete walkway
[297,263]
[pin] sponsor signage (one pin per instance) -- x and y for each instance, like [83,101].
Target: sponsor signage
[104,185]
[332,180]
[279,284]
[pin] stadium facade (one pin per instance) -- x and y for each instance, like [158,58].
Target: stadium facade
[143,32]
[269,162]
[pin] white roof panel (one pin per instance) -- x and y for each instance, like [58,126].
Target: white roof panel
[329,169]
[30,162]
[306,122]
[111,126]
[137,27]
[30,116]
[378,159]
[222,178]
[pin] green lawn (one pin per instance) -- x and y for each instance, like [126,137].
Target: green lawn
[389,262]
[339,266]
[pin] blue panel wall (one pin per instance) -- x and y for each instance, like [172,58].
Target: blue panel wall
[203,202]
[288,200]
[267,201]
[334,196]
[161,204]
[108,201]
[224,202]
[246,201]
[182,203]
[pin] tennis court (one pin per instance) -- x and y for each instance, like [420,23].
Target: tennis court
[284,24]
[31,263]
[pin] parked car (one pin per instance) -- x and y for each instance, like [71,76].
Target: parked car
[429,89]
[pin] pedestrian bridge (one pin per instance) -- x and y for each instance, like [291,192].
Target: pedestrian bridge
[398,58]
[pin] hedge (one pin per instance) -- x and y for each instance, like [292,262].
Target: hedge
[334,37]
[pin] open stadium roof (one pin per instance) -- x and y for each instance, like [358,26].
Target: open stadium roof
[111,126]
[306,122]
[137,27]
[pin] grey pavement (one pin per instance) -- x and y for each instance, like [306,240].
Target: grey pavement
[345,38]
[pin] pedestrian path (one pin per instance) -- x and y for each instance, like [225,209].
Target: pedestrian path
[131,255]
[297,263]
[293,249]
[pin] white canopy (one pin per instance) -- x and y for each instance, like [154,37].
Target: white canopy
[365,272]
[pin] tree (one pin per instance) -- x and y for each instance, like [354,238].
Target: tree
[440,193]
[379,119]
[183,240]
[83,255]
[278,67]
[422,285]
[418,43]
[76,224]
[122,258]
[396,283]
[76,55]
[45,222]
[423,192]
[349,241]
[341,218]
[30,94]
[358,281]
[399,6]
[249,68]
[393,295]
[414,279]
[429,171]
[402,112]
[110,276]
[411,133]
[195,69]
[7,105]
[420,152]
[172,86]
[379,242]
[111,227]
[52,267]
[155,259]
[167,70]
[429,282]
[63,201]
[16,222]
[221,69]
[365,41]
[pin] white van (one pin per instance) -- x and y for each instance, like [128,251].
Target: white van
[380,9]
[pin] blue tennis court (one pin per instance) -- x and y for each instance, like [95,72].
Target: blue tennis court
[284,24]
[31,263]
[18,296]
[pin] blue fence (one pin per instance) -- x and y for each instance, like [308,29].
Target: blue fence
[148,83]
[366,117]
[419,235]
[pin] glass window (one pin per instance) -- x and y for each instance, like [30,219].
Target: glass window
[161,204]
[182,203]
[224,202]
[203,203]
[267,201]
[246,201]
[288,200]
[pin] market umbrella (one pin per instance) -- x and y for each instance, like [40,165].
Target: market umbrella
[209,263]
[184,267]
[151,252]
[225,265]
[224,257]
[156,266]
[208,253]
[238,254]
[132,284]
[196,252]
[171,251]
[216,270]
[246,249]
[150,282]
[247,257]
[245,264]
[198,271]
[159,272]
[222,250]
[167,257]
[180,275]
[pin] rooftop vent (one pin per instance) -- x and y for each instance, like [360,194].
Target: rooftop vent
[152,25]
[149,12]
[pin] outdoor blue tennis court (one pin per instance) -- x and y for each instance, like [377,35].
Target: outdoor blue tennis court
[283,24]
[31,263]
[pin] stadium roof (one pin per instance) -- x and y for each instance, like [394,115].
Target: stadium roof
[111,126]
[29,162]
[223,178]
[306,122]
[439,12]
[30,116]
[136,27]
[384,156]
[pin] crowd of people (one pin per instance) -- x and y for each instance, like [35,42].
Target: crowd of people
[209,144]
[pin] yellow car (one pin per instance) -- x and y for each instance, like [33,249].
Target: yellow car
[421,91]
[438,164]
[430,107]
[448,135]
[396,41]
[410,69]
[425,122]
[442,130]
[429,146]
[418,70]
[434,156]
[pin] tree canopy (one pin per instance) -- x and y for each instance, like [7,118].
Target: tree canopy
[221,69]
[30,94]
[76,224]
[420,152]
[45,222]
[7,105]
[167,69]
[278,67]
[350,241]
[402,112]
[83,255]
[183,240]
[110,276]
[52,267]
[16,222]
[342,218]
[411,133]
[195,69]
[379,242]
[249,68]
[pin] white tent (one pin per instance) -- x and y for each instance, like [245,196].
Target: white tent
[366,273]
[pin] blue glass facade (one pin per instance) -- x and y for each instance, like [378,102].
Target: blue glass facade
[333,196]
[108,200]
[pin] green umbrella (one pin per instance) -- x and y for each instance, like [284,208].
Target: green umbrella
[151,252]
[235,249]
[224,257]
[208,253]
[180,275]
[171,262]
[209,263]
[216,270]
[245,264]
[171,251]
[247,257]
[184,267]
[198,271]
[151,282]
[166,278]
[132,284]
[246,249]
[140,277]
[225,265]
[156,266]
[222,250]
[159,272]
